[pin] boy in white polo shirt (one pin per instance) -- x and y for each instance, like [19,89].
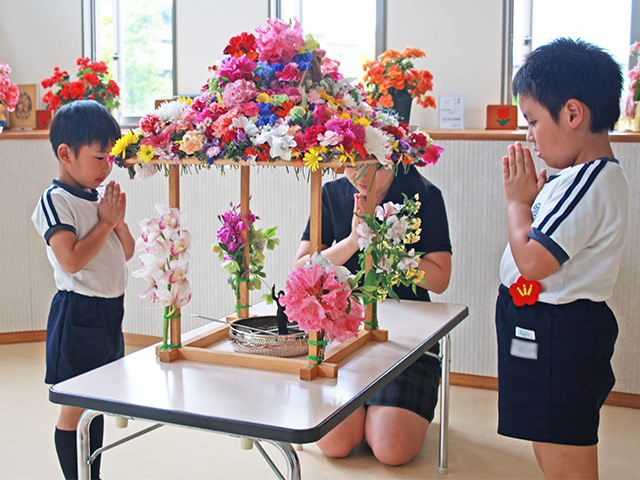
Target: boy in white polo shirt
[88,244]
[566,235]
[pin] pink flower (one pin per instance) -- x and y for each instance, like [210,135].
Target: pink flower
[237,93]
[289,73]
[251,109]
[221,125]
[432,154]
[316,300]
[236,68]
[279,42]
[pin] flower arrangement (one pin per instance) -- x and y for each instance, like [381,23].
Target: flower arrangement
[394,71]
[630,120]
[93,83]
[275,96]
[164,247]
[231,249]
[9,92]
[319,296]
[385,236]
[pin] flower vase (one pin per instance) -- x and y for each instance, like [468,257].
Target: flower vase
[402,104]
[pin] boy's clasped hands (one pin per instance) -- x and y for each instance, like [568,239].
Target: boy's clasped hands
[520,181]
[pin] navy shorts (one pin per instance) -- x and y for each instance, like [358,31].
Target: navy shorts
[415,389]
[83,333]
[554,369]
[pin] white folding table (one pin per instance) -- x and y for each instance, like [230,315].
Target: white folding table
[275,407]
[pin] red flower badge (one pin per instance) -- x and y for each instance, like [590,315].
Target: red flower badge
[524,292]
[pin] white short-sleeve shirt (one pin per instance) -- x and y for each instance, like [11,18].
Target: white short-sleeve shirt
[581,217]
[62,207]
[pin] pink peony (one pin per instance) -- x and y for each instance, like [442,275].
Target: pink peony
[236,68]
[289,73]
[222,124]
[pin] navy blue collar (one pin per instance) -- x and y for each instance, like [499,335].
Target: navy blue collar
[92,196]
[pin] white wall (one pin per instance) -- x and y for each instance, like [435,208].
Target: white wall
[462,40]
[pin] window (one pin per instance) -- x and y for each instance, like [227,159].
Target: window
[349,41]
[135,39]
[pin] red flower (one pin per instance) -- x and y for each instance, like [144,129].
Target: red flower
[524,292]
[503,112]
[243,44]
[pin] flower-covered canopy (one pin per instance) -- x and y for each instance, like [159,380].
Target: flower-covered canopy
[275,96]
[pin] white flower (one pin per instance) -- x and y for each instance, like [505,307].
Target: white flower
[145,170]
[387,210]
[397,230]
[279,141]
[247,125]
[171,111]
[378,144]
[341,272]
[366,235]
[329,138]
[409,262]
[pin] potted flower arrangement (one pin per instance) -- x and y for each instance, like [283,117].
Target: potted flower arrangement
[237,233]
[9,94]
[386,236]
[630,118]
[392,81]
[93,83]
[164,253]
[275,96]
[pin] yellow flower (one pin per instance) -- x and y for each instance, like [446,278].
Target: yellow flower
[263,97]
[344,155]
[145,153]
[365,122]
[123,142]
[312,157]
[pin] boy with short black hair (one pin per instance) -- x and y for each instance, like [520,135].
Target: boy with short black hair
[567,233]
[88,244]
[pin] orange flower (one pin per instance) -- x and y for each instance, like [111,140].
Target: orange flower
[394,71]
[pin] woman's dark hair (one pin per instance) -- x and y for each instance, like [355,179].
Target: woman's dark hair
[564,69]
[83,122]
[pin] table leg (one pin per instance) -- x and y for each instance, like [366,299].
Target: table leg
[445,346]
[83,446]
[290,456]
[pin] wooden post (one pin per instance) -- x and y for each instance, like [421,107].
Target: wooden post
[174,201]
[369,209]
[245,195]
[315,215]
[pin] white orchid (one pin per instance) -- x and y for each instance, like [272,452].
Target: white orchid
[164,254]
[278,140]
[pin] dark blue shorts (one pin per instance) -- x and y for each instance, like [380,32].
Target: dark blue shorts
[415,389]
[554,369]
[83,333]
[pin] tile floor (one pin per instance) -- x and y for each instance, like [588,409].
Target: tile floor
[476,451]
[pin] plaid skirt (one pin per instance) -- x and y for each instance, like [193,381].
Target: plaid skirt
[415,389]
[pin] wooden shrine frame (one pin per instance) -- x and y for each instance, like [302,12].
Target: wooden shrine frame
[195,348]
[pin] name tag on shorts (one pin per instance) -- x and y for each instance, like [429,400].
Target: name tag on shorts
[524,349]
[524,333]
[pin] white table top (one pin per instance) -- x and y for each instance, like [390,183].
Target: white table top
[258,403]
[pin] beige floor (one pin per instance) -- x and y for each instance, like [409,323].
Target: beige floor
[476,451]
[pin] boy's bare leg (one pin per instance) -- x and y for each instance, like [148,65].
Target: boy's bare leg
[567,461]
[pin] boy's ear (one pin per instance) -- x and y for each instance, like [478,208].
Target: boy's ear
[575,111]
[64,153]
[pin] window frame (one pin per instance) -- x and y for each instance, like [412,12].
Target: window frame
[89,49]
